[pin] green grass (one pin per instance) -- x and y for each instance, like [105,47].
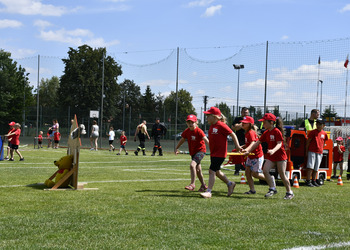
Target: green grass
[158,212]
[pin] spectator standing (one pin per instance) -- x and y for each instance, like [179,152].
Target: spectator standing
[310,123]
[94,135]
[158,130]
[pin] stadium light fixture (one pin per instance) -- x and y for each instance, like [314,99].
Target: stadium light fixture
[238,67]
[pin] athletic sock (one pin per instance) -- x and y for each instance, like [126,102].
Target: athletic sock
[209,190]
[229,183]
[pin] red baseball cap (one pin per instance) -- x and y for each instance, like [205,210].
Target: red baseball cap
[213,111]
[269,117]
[192,118]
[12,124]
[339,139]
[248,119]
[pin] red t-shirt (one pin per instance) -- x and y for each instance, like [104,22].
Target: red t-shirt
[40,138]
[251,136]
[318,139]
[337,157]
[195,140]
[11,136]
[123,140]
[271,138]
[56,136]
[218,133]
[15,137]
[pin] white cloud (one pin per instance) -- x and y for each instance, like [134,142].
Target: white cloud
[284,37]
[42,24]
[75,37]
[20,53]
[212,10]
[200,3]
[345,8]
[6,23]
[162,83]
[260,83]
[31,7]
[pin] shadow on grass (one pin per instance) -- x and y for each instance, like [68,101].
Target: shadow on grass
[40,186]
[195,194]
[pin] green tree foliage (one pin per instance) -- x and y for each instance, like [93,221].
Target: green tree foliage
[329,112]
[149,101]
[15,91]
[132,94]
[81,83]
[185,106]
[48,92]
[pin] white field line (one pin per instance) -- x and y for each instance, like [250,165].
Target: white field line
[51,166]
[108,181]
[331,245]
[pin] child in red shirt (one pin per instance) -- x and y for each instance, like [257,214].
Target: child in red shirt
[40,139]
[9,138]
[314,148]
[196,140]
[57,138]
[276,155]
[254,162]
[218,133]
[338,153]
[15,142]
[123,141]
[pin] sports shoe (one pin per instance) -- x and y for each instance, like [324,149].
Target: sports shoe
[203,188]
[190,187]
[118,154]
[309,184]
[113,149]
[288,196]
[206,195]
[315,183]
[126,153]
[231,188]
[11,159]
[6,158]
[91,149]
[153,154]
[22,159]
[160,154]
[270,193]
[136,153]
[250,192]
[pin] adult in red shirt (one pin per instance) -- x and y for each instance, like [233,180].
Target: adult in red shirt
[338,157]
[314,148]
[254,162]
[196,140]
[9,138]
[276,155]
[15,142]
[218,133]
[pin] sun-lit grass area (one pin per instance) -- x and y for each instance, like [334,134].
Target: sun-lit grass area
[141,203]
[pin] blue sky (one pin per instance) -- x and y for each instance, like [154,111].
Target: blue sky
[49,28]
[31,27]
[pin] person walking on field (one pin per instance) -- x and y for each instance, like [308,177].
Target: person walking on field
[141,133]
[15,142]
[196,140]
[9,138]
[218,133]
[158,130]
[94,135]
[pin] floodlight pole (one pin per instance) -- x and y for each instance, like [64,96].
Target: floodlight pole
[102,93]
[238,67]
[176,101]
[265,93]
[37,99]
[321,97]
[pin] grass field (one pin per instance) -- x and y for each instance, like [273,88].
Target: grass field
[141,203]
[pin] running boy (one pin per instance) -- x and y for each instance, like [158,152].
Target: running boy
[338,157]
[314,148]
[111,135]
[196,140]
[218,133]
[15,142]
[254,162]
[276,155]
[123,141]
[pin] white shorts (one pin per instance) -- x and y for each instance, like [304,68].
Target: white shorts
[255,164]
[314,160]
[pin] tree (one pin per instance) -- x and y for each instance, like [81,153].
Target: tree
[329,113]
[148,104]
[276,111]
[48,92]
[185,106]
[15,91]
[81,83]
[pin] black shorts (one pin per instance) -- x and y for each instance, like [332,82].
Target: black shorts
[14,146]
[57,141]
[9,144]
[336,162]
[110,142]
[215,163]
[40,142]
